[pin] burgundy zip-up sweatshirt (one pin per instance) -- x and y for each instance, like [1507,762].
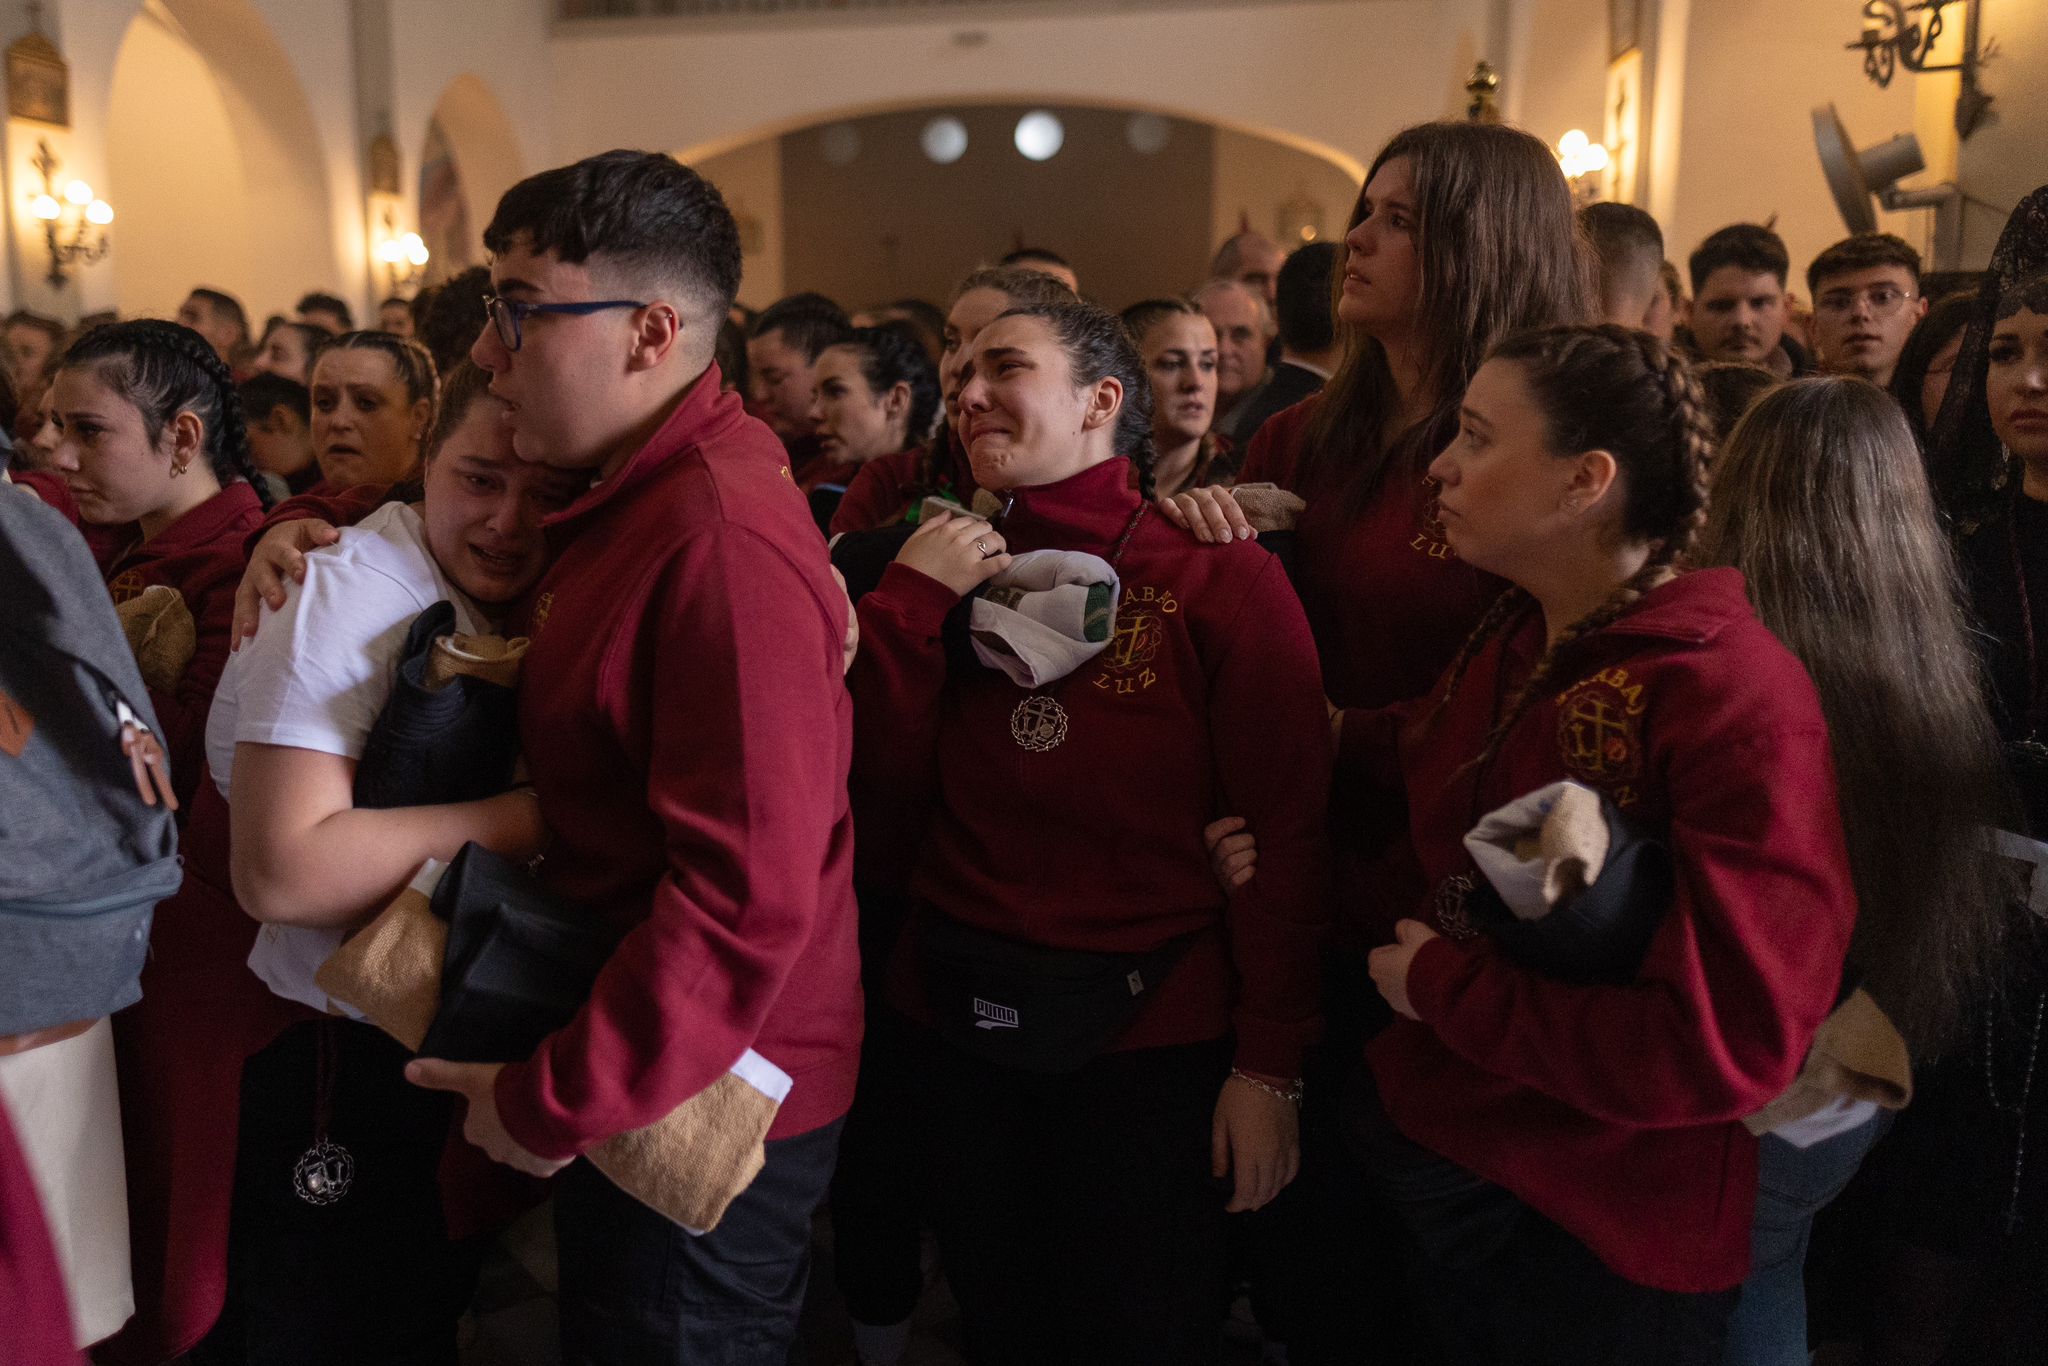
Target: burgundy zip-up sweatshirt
[1205,703]
[1389,603]
[687,727]
[1616,1110]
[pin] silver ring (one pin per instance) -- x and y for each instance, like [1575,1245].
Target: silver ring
[982,546]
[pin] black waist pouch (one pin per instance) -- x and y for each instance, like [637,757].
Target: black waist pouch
[520,962]
[1030,1007]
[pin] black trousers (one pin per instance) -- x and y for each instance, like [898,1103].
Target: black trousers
[372,1279]
[636,1290]
[1077,1217]
[878,1191]
[1492,1281]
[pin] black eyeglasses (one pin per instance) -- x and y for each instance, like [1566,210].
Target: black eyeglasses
[508,315]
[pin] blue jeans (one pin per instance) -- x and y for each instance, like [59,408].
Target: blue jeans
[1793,1185]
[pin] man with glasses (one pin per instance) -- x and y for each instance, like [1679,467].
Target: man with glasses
[688,734]
[1866,302]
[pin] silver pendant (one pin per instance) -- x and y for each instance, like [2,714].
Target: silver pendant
[1039,724]
[323,1174]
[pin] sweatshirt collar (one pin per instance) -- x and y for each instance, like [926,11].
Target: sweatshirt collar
[204,525]
[1085,509]
[703,413]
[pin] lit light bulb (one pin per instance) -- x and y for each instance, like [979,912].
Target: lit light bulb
[99,211]
[1572,144]
[415,250]
[389,252]
[45,206]
[1595,158]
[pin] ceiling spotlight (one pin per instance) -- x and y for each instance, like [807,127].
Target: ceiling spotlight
[1039,135]
[1148,133]
[945,139]
[839,143]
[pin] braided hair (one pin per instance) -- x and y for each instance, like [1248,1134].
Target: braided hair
[1625,392]
[164,369]
[891,355]
[1099,348]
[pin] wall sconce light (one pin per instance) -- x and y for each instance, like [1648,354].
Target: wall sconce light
[1900,33]
[1483,85]
[1581,159]
[69,217]
[404,255]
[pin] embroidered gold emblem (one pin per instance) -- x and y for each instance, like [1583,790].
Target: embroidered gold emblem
[1430,538]
[542,605]
[125,585]
[1039,723]
[1135,643]
[16,725]
[1599,731]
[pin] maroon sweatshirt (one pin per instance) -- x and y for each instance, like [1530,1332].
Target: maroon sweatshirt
[888,488]
[685,720]
[1616,1110]
[33,1302]
[1205,703]
[1389,603]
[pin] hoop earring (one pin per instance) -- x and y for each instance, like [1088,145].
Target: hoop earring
[177,468]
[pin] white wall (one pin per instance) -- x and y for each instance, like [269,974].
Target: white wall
[1253,177]
[1337,77]
[2007,157]
[750,178]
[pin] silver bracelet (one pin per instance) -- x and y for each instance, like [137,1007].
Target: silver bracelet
[1292,1095]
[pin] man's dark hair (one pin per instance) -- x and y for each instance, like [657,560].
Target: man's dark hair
[448,321]
[263,394]
[328,303]
[1024,256]
[225,304]
[385,303]
[1308,318]
[1864,251]
[929,319]
[645,212]
[808,323]
[1747,246]
[1629,247]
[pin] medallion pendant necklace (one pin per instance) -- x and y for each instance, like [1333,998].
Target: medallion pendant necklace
[1039,722]
[324,1172]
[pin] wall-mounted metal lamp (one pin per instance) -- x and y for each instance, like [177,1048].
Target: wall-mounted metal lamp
[404,255]
[1900,33]
[74,219]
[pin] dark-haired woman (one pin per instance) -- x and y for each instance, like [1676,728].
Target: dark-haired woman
[1177,342]
[1081,1190]
[373,403]
[1953,1204]
[1821,501]
[877,393]
[1920,379]
[1462,233]
[1596,1129]
[151,440]
[275,835]
[893,488]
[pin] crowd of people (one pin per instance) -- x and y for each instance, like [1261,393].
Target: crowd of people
[1466,786]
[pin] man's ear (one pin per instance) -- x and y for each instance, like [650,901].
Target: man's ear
[657,331]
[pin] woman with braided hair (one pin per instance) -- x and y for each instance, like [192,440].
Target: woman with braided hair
[1178,344]
[1585,1141]
[373,404]
[151,441]
[893,489]
[1106,1036]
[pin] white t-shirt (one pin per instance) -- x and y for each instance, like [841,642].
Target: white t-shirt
[316,676]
